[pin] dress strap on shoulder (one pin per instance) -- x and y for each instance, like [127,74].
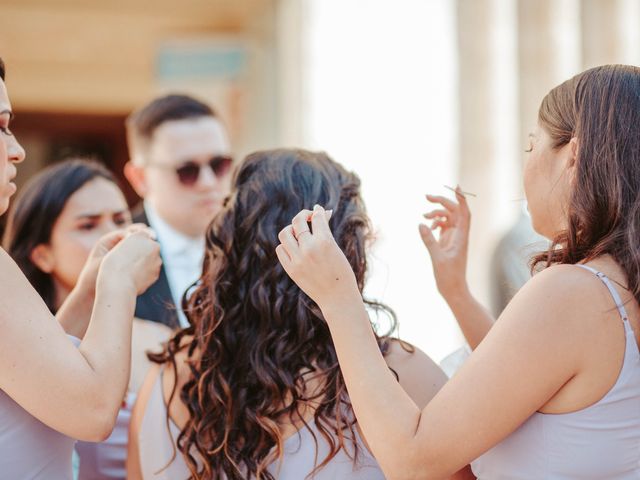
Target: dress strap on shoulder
[612,290]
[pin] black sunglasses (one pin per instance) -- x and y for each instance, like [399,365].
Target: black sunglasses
[189,172]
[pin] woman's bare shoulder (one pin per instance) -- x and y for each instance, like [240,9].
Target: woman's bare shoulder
[417,373]
[558,296]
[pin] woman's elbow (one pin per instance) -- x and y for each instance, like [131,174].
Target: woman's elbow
[96,429]
[417,467]
[103,429]
[418,474]
[97,423]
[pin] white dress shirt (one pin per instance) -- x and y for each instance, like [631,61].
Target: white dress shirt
[182,257]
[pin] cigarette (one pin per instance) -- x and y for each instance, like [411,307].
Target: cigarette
[461,192]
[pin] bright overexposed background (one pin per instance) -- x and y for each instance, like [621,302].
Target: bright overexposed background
[384,105]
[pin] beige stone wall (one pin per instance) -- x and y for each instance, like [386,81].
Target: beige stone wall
[99,56]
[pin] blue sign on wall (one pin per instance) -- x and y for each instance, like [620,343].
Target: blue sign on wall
[178,62]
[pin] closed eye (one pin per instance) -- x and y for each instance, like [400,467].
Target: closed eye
[87,226]
[122,218]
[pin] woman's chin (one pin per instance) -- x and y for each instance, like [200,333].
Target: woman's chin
[548,233]
[539,228]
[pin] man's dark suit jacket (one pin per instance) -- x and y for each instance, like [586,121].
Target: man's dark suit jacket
[156,304]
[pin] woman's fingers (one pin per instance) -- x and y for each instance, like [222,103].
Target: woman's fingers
[141,227]
[437,213]
[440,224]
[135,227]
[320,222]
[311,258]
[288,241]
[111,239]
[302,220]
[447,203]
[283,258]
[429,239]
[300,224]
[328,214]
[462,202]
[299,230]
[299,234]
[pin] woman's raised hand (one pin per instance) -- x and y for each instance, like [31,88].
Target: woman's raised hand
[133,257]
[89,274]
[449,251]
[313,259]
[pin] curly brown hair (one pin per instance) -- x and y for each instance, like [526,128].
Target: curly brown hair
[601,108]
[254,336]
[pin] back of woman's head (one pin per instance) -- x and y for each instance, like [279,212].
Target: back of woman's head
[601,109]
[36,210]
[258,340]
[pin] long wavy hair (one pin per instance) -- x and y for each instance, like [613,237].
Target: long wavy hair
[601,108]
[254,337]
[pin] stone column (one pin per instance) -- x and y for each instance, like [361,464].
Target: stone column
[610,32]
[600,32]
[546,38]
[629,20]
[292,52]
[536,60]
[476,147]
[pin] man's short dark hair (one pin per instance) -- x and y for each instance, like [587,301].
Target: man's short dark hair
[2,70]
[142,123]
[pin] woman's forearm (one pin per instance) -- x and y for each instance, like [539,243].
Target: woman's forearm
[474,320]
[385,412]
[75,312]
[102,320]
[107,342]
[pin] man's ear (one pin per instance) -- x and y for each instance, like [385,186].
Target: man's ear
[135,174]
[42,257]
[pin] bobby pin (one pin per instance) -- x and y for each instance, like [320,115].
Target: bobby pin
[461,192]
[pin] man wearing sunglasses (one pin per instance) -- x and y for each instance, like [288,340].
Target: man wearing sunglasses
[180,165]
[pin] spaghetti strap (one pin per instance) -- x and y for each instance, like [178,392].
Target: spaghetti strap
[612,290]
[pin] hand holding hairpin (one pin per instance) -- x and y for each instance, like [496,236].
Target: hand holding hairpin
[449,251]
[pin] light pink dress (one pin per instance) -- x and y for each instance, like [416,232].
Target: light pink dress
[106,460]
[600,442]
[28,448]
[156,451]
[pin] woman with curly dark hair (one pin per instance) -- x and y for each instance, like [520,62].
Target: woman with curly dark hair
[253,385]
